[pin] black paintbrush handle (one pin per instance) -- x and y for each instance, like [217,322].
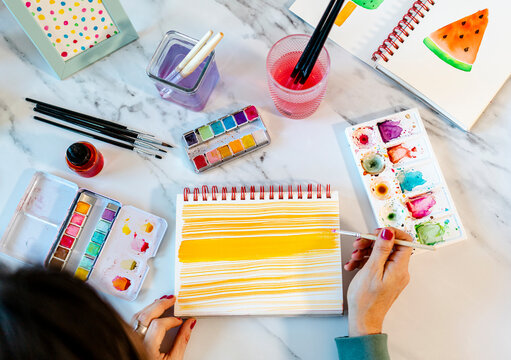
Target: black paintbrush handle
[43,109]
[83,116]
[116,134]
[315,35]
[101,138]
[318,46]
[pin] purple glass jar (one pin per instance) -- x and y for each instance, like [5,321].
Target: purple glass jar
[191,92]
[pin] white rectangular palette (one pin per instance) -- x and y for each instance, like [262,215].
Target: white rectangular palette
[95,238]
[403,180]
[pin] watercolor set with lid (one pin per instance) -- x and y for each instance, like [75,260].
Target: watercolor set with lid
[403,180]
[226,139]
[93,237]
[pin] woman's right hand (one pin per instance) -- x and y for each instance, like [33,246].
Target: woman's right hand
[158,326]
[382,277]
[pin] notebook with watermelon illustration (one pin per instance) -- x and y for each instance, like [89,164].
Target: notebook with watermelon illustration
[454,55]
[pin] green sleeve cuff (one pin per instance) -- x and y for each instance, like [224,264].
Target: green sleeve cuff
[370,347]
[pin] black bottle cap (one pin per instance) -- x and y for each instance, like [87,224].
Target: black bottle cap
[78,154]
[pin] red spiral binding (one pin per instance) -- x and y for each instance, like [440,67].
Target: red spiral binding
[404,26]
[204,191]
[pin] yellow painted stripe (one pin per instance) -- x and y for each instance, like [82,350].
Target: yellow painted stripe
[253,248]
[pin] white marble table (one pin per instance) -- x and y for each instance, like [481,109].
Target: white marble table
[457,304]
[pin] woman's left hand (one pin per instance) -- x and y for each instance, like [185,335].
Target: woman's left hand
[158,326]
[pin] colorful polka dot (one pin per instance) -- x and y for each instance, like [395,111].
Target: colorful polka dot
[41,17]
[46,27]
[66,23]
[64,54]
[61,11]
[27,4]
[39,8]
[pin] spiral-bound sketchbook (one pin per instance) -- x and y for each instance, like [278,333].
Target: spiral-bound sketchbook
[273,251]
[452,54]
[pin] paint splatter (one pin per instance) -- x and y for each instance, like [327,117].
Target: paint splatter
[121,283]
[393,214]
[399,152]
[430,233]
[363,137]
[381,190]
[390,130]
[373,163]
[139,244]
[147,227]
[126,229]
[408,180]
[420,206]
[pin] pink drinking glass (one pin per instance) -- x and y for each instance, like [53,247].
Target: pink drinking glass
[293,102]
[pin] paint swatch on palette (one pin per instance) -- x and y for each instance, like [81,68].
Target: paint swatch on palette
[135,238]
[226,139]
[258,254]
[74,230]
[403,180]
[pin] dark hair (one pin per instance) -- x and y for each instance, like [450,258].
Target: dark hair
[51,315]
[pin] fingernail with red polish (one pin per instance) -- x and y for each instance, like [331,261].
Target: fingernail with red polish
[193,324]
[354,252]
[386,234]
[346,263]
[179,318]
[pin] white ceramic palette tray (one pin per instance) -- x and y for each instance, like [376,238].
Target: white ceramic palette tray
[59,225]
[403,180]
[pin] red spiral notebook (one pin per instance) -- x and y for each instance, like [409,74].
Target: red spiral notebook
[257,251]
[454,55]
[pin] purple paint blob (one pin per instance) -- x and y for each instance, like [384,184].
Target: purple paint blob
[108,215]
[390,130]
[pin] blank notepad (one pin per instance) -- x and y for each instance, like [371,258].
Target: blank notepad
[270,256]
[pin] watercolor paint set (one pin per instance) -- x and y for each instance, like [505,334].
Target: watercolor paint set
[226,139]
[93,237]
[403,180]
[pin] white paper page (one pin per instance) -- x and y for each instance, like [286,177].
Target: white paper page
[364,30]
[258,257]
[462,95]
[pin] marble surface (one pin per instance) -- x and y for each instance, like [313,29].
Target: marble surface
[457,304]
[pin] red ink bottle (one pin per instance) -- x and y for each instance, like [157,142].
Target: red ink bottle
[84,159]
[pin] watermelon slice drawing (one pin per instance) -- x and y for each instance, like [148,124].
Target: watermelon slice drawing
[458,43]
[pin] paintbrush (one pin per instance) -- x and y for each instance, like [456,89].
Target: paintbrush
[397,241]
[97,137]
[109,125]
[113,133]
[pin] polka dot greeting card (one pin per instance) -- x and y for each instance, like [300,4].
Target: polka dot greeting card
[71,34]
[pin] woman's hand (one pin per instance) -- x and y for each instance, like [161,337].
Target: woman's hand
[158,326]
[383,275]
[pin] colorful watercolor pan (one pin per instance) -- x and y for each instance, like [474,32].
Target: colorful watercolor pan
[61,226]
[403,180]
[226,139]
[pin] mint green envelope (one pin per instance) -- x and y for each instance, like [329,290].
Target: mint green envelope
[71,35]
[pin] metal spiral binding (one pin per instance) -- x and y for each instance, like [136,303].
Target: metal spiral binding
[406,25]
[273,193]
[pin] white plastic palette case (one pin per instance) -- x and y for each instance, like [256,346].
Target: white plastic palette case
[57,224]
[403,180]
